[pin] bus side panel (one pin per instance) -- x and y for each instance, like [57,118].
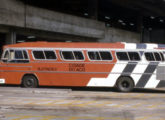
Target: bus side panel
[71,73]
[66,79]
[13,73]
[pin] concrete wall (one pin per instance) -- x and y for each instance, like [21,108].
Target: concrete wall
[16,13]
[16,16]
[118,35]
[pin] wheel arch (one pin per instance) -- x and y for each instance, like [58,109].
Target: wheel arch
[29,74]
[125,76]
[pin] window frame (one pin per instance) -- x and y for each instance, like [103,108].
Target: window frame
[14,49]
[123,52]
[129,60]
[44,54]
[162,56]
[34,56]
[54,54]
[159,52]
[159,56]
[134,52]
[62,57]
[100,55]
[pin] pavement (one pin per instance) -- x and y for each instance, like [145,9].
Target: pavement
[80,104]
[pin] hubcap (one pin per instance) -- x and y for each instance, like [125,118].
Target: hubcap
[125,84]
[29,82]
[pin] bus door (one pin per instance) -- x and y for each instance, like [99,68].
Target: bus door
[14,64]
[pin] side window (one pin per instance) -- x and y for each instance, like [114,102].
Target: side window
[134,56]
[16,56]
[50,55]
[5,56]
[25,54]
[38,55]
[122,56]
[162,56]
[78,55]
[105,55]
[67,55]
[93,55]
[72,55]
[19,55]
[149,56]
[157,56]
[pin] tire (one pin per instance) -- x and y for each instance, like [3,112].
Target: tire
[29,81]
[125,84]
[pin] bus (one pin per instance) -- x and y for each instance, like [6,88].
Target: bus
[122,65]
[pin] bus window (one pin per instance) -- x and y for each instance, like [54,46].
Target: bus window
[67,55]
[15,56]
[122,56]
[162,56]
[149,56]
[50,55]
[5,58]
[93,55]
[18,55]
[134,56]
[25,54]
[105,55]
[78,55]
[38,55]
[157,56]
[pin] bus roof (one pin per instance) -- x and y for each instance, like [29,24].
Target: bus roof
[65,45]
[117,45]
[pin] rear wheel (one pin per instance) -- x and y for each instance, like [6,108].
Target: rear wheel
[125,84]
[29,81]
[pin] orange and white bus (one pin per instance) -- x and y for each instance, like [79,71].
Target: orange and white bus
[121,65]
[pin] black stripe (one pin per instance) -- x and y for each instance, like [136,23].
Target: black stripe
[129,68]
[147,74]
[161,84]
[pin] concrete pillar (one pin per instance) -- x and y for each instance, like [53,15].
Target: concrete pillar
[140,28]
[11,37]
[93,9]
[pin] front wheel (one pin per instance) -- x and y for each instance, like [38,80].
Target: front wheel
[29,81]
[125,84]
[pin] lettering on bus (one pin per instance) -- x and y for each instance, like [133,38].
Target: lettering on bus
[47,69]
[77,67]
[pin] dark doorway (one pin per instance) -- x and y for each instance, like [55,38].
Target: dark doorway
[2,41]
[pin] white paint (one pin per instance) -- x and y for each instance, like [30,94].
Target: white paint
[152,83]
[152,46]
[2,81]
[112,77]
[130,46]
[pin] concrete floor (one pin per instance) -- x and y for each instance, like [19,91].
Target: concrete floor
[80,104]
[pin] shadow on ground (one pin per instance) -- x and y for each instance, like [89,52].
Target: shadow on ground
[97,89]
